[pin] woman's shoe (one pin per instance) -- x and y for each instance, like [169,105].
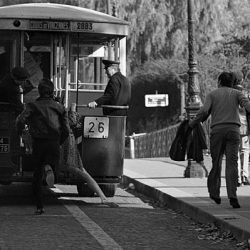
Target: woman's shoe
[110,204]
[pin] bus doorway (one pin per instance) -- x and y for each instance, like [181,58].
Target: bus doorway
[44,57]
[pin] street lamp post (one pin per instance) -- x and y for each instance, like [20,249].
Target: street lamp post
[193,104]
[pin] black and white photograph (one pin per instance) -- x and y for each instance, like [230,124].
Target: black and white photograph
[124,125]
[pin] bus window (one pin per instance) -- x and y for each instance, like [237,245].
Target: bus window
[60,64]
[8,51]
[37,55]
[36,60]
[44,57]
[86,69]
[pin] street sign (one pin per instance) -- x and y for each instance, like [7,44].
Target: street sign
[157,100]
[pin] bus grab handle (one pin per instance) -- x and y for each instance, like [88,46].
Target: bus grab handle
[104,106]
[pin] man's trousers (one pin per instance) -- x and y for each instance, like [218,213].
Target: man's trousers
[226,141]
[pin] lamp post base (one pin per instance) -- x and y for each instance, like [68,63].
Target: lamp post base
[195,170]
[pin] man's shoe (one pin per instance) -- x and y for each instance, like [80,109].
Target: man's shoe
[49,176]
[39,211]
[215,199]
[234,203]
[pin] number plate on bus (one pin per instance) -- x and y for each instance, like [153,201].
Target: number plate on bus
[4,145]
[96,127]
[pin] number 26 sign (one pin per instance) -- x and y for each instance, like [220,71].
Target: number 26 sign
[96,127]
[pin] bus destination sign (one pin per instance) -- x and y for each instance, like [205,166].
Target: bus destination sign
[60,25]
[49,25]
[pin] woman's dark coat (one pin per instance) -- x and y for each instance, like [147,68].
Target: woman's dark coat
[188,141]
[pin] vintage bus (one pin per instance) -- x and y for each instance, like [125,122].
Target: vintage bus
[65,44]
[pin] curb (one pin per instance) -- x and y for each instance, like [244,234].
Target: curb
[234,224]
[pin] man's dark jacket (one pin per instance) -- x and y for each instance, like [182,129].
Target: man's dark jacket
[188,141]
[47,119]
[117,92]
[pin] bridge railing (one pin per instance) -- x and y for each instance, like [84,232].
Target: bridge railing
[149,145]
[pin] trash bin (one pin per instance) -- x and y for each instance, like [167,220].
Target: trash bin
[103,147]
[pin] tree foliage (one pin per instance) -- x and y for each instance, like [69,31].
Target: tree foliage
[155,77]
[159,28]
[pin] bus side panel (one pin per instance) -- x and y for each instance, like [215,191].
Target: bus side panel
[104,157]
[9,143]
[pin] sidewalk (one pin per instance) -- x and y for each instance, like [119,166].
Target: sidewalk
[162,179]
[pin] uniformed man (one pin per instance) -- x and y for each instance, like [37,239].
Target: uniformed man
[117,92]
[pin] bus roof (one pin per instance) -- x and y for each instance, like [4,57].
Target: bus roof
[59,12]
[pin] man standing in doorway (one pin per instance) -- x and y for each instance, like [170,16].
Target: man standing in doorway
[117,92]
